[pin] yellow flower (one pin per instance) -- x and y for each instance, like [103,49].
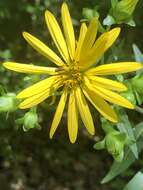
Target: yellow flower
[75,77]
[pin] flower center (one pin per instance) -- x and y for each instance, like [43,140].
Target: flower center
[74,76]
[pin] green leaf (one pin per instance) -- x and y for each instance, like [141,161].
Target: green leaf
[114,3]
[126,127]
[100,145]
[138,130]
[139,97]
[131,22]
[109,20]
[135,183]
[138,54]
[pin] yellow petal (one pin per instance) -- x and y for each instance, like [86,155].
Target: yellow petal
[100,46]
[89,37]
[95,53]
[112,36]
[84,111]
[58,114]
[57,35]
[34,100]
[107,83]
[42,48]
[30,69]
[103,107]
[72,118]
[39,87]
[68,29]
[83,30]
[111,96]
[115,68]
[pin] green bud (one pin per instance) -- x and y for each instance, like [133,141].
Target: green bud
[123,10]
[137,83]
[30,120]
[8,102]
[114,142]
[113,145]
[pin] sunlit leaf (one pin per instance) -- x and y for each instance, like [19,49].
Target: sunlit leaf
[135,183]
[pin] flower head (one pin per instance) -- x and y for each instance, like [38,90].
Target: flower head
[74,75]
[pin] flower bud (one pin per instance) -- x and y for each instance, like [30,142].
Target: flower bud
[114,145]
[30,121]
[123,10]
[8,102]
[114,142]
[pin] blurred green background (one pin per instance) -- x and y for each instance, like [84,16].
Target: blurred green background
[29,160]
